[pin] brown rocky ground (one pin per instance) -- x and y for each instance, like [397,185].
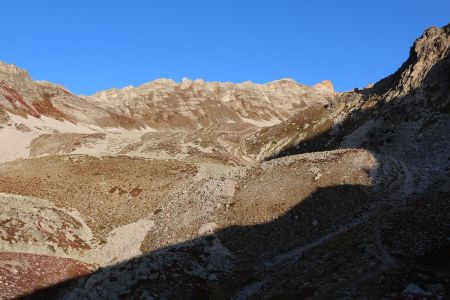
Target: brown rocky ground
[22,273]
[107,191]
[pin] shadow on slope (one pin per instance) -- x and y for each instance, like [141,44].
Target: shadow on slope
[339,242]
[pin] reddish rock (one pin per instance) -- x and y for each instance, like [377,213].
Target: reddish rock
[23,273]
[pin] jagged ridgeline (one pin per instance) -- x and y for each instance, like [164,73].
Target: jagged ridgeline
[207,190]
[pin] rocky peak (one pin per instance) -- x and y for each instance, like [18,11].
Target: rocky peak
[324,86]
[433,45]
[13,76]
[284,81]
[425,54]
[10,69]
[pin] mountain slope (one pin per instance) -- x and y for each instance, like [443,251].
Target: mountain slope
[126,118]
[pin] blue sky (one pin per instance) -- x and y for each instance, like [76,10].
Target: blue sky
[92,45]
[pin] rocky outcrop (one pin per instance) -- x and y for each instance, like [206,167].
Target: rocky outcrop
[325,86]
[429,52]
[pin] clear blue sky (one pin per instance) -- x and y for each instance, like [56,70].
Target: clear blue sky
[92,45]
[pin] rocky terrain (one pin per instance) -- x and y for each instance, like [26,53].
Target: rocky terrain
[207,190]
